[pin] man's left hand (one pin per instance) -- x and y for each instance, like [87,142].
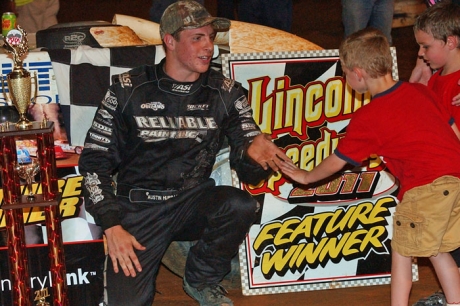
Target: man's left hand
[264,152]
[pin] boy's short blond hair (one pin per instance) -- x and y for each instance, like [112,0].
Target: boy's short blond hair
[367,49]
[440,20]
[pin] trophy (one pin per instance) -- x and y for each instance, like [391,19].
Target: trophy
[19,79]
[27,171]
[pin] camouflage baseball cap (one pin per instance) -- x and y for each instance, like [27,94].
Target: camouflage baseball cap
[183,15]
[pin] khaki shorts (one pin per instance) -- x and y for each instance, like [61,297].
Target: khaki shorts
[427,221]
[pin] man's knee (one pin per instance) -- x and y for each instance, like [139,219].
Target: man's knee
[240,201]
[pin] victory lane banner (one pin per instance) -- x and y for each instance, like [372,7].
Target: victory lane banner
[336,233]
[83,247]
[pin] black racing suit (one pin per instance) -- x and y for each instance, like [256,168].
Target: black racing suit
[159,138]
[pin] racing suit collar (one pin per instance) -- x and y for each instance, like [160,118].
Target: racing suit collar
[166,83]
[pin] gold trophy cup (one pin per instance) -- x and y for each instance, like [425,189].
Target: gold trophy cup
[19,79]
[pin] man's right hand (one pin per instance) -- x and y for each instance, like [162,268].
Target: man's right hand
[121,245]
[264,152]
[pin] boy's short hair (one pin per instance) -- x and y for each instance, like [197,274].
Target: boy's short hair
[367,49]
[440,20]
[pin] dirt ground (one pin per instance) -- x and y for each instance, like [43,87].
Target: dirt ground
[170,293]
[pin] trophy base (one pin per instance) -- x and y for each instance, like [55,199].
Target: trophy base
[23,125]
[42,304]
[38,201]
[36,127]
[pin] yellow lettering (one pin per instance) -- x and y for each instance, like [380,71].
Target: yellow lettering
[264,235]
[339,220]
[379,208]
[333,247]
[361,214]
[353,239]
[304,229]
[372,237]
[278,260]
[311,252]
[68,206]
[314,102]
[280,237]
[34,215]
[72,187]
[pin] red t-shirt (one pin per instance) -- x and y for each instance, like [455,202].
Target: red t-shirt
[446,87]
[407,128]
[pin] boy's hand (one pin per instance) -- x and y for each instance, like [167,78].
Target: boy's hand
[330,165]
[292,171]
[456,99]
[421,72]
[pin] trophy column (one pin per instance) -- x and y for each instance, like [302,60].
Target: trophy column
[17,257]
[14,202]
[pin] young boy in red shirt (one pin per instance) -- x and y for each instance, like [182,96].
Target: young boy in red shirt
[405,126]
[437,31]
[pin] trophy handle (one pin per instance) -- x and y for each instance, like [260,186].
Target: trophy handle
[35,84]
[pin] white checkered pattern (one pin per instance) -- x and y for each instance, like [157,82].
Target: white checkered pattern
[83,76]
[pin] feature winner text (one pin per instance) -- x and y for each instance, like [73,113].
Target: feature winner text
[299,243]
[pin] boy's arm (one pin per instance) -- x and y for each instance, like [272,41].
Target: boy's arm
[456,130]
[422,73]
[331,165]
